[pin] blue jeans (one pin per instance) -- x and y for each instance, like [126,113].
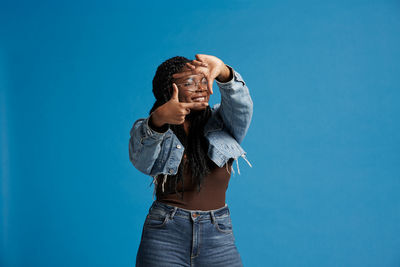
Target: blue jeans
[173,236]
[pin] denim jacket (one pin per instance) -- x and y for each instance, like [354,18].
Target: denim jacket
[155,153]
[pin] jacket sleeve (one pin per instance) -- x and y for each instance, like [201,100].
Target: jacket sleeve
[236,107]
[144,146]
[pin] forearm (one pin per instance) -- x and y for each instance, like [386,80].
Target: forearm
[144,146]
[156,124]
[226,75]
[236,106]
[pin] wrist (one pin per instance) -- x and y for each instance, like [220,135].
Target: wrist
[156,119]
[225,75]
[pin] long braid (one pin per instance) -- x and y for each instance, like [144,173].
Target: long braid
[198,164]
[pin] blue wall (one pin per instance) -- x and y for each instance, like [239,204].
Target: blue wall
[324,141]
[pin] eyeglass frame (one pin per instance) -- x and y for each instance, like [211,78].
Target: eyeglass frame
[196,84]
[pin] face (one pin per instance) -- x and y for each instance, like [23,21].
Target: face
[192,88]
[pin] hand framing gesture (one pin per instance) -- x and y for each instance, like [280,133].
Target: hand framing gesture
[174,112]
[210,66]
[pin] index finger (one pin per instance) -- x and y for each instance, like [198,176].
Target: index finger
[195,105]
[210,83]
[199,63]
[182,74]
[198,70]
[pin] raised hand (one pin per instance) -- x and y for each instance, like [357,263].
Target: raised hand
[210,66]
[174,112]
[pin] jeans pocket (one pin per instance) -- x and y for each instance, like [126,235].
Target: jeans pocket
[156,218]
[223,224]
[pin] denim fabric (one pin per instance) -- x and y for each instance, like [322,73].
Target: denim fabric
[173,236]
[155,153]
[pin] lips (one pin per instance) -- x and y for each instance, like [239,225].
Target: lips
[199,99]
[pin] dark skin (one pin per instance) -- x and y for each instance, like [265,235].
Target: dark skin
[182,100]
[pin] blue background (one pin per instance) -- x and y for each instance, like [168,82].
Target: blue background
[324,141]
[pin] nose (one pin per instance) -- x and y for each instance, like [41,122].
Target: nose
[201,91]
[201,87]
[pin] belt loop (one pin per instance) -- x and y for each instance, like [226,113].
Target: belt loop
[212,217]
[173,213]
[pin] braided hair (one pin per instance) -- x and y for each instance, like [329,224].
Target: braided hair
[197,163]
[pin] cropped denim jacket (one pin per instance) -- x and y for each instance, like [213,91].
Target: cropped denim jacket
[155,153]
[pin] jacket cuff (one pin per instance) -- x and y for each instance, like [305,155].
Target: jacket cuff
[236,78]
[156,133]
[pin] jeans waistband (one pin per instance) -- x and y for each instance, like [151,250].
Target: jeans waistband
[198,214]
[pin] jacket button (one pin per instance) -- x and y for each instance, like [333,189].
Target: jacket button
[178,146]
[171,171]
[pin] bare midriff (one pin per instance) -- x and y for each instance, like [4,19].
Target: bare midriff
[210,197]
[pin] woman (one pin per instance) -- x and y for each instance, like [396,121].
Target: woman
[188,148]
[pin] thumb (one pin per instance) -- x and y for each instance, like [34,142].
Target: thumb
[175,92]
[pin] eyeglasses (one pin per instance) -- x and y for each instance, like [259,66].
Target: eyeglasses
[191,84]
